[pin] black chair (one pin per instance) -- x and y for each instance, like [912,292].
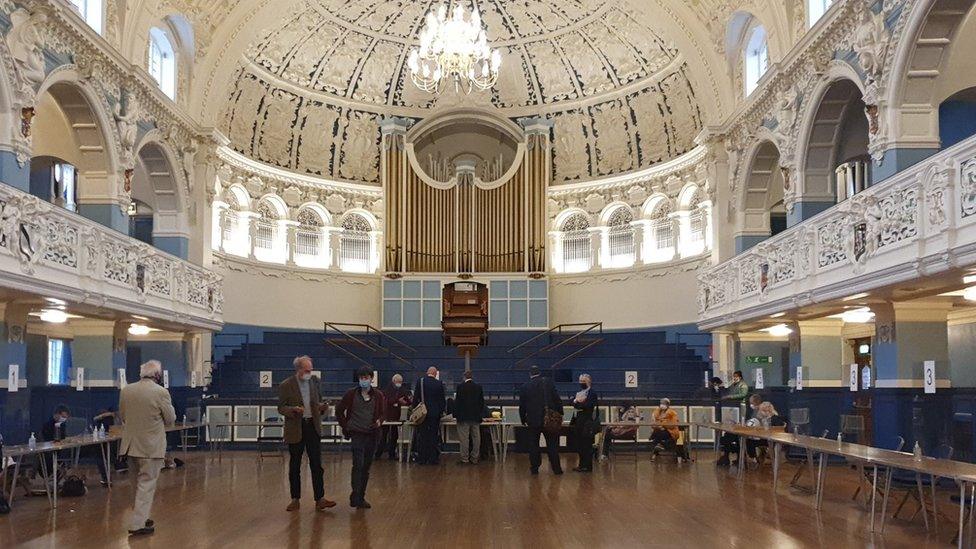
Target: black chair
[914,485]
[897,444]
[271,444]
[804,464]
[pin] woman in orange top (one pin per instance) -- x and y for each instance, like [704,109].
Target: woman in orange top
[664,436]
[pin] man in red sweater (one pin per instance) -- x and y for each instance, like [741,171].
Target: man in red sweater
[360,414]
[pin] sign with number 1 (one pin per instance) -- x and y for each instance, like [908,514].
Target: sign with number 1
[13,378]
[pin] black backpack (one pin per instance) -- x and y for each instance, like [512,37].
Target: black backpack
[73,487]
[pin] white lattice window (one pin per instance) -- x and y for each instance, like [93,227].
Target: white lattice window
[661,246]
[756,58]
[577,252]
[620,238]
[816,9]
[356,245]
[311,248]
[161,62]
[269,236]
[91,11]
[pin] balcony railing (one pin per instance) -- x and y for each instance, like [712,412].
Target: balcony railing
[47,250]
[920,221]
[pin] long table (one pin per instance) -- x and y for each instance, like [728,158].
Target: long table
[74,444]
[963,474]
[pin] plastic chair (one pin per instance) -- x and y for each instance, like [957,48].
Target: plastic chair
[800,420]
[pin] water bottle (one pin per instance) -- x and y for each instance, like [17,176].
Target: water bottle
[101,431]
[32,442]
[184,419]
[796,431]
[840,437]
[917,452]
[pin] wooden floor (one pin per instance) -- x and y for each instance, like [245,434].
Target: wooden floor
[239,502]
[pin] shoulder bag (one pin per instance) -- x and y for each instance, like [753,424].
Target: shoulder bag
[419,412]
[552,420]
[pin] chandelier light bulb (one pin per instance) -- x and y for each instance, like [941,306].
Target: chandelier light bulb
[857,316]
[54,316]
[779,330]
[138,330]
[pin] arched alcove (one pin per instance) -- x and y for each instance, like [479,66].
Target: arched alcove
[763,213]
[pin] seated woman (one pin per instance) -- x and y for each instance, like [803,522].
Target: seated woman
[626,413]
[766,417]
[729,441]
[662,436]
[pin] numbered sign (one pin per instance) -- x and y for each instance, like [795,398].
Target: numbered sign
[80,379]
[853,377]
[630,380]
[317,374]
[166,379]
[760,382]
[121,377]
[866,377]
[265,379]
[799,378]
[708,379]
[375,382]
[13,377]
[193,379]
[928,376]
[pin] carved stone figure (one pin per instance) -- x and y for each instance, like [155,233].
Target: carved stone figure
[126,112]
[570,147]
[25,41]
[871,41]
[360,149]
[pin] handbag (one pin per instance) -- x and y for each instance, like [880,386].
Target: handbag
[419,412]
[73,486]
[552,420]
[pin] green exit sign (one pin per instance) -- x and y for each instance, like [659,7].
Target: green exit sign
[759,360]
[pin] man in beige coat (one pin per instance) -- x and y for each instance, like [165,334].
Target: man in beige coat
[146,410]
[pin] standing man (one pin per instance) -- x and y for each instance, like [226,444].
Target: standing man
[469,409]
[584,423]
[299,403]
[738,389]
[146,410]
[396,396]
[360,414]
[430,391]
[535,397]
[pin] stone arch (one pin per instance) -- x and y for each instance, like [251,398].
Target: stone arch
[610,209]
[564,216]
[72,123]
[763,212]
[688,197]
[655,205]
[366,215]
[317,209]
[275,204]
[237,197]
[834,129]
[159,183]
[936,35]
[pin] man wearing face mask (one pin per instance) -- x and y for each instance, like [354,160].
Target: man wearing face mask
[301,406]
[53,428]
[584,423]
[397,396]
[360,414]
[146,409]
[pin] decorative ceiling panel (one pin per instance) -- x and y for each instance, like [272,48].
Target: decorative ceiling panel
[312,87]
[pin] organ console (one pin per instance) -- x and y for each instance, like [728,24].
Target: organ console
[465,316]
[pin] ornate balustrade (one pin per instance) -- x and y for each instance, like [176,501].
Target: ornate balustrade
[919,222]
[48,250]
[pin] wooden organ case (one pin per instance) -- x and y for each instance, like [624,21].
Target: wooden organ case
[464,317]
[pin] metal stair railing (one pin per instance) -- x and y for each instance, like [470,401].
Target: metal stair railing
[551,346]
[365,343]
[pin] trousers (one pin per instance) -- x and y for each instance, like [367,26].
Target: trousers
[552,449]
[312,446]
[363,449]
[145,490]
[469,433]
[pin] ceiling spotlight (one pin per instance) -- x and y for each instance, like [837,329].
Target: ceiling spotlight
[779,330]
[970,293]
[54,316]
[857,316]
[777,315]
[139,330]
[861,295]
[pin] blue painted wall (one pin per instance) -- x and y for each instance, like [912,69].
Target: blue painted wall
[108,215]
[12,173]
[957,121]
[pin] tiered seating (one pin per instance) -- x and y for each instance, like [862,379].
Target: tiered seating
[664,367]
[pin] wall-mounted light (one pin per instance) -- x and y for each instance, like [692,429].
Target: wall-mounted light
[54,316]
[779,330]
[139,330]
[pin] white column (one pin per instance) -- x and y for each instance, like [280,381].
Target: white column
[682,230]
[334,235]
[556,251]
[642,234]
[597,247]
[289,227]
[374,247]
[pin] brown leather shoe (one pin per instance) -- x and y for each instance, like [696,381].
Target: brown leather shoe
[294,505]
[324,504]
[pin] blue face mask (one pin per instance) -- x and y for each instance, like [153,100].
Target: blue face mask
[364,383]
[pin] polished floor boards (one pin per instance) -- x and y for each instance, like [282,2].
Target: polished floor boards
[628,502]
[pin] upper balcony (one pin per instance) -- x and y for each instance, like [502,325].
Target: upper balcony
[918,223]
[48,250]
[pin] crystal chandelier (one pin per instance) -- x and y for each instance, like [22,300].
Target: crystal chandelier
[454,48]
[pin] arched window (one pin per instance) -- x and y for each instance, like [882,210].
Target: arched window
[310,241]
[356,245]
[161,63]
[269,241]
[232,221]
[620,238]
[577,252]
[91,11]
[661,247]
[816,9]
[756,58]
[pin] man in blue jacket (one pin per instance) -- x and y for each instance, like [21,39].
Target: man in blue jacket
[430,391]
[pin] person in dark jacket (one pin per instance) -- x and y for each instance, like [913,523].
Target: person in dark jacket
[535,397]
[360,414]
[585,425]
[53,428]
[469,409]
[396,396]
[430,391]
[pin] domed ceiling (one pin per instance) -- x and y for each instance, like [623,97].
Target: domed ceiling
[310,91]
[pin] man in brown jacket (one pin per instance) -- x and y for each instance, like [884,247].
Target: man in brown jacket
[299,403]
